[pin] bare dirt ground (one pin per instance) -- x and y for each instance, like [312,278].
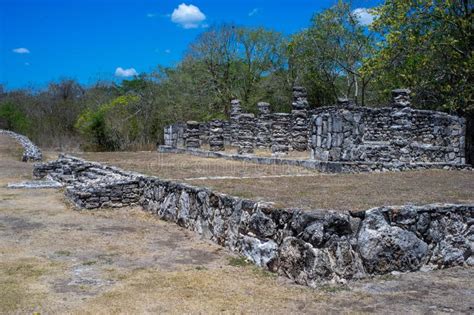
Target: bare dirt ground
[56,260]
[289,186]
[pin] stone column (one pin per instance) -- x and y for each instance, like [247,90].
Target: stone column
[280,133]
[204,133]
[337,136]
[192,135]
[246,136]
[344,102]
[235,111]
[216,136]
[170,137]
[299,119]
[226,126]
[263,126]
[401,98]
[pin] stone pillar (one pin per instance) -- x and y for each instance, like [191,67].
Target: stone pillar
[192,135]
[170,137]
[226,126]
[216,135]
[344,102]
[280,133]
[204,133]
[173,135]
[235,111]
[246,136]
[337,136]
[299,119]
[263,126]
[263,108]
[401,98]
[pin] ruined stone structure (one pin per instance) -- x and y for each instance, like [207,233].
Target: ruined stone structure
[246,134]
[216,136]
[30,151]
[192,135]
[263,126]
[349,138]
[388,135]
[281,133]
[309,247]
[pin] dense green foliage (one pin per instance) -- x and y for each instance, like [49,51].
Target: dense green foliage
[424,45]
[13,118]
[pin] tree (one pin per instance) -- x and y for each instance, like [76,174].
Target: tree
[234,61]
[426,45]
[328,56]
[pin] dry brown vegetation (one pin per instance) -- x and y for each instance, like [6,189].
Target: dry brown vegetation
[308,189]
[55,260]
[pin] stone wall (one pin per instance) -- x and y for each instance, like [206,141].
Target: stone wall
[388,135]
[30,151]
[310,247]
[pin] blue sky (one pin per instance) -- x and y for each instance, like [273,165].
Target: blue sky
[88,40]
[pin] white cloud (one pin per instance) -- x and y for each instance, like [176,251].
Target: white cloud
[150,15]
[364,16]
[254,12]
[21,50]
[120,72]
[188,16]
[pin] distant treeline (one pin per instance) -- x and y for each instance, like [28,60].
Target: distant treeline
[423,45]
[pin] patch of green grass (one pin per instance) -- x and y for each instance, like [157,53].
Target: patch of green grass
[200,268]
[24,270]
[89,262]
[239,261]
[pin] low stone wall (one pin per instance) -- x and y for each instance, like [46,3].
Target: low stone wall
[309,247]
[92,185]
[30,151]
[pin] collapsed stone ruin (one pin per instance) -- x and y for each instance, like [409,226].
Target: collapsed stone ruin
[343,137]
[309,247]
[30,151]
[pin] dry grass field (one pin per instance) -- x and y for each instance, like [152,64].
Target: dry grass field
[57,260]
[290,186]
